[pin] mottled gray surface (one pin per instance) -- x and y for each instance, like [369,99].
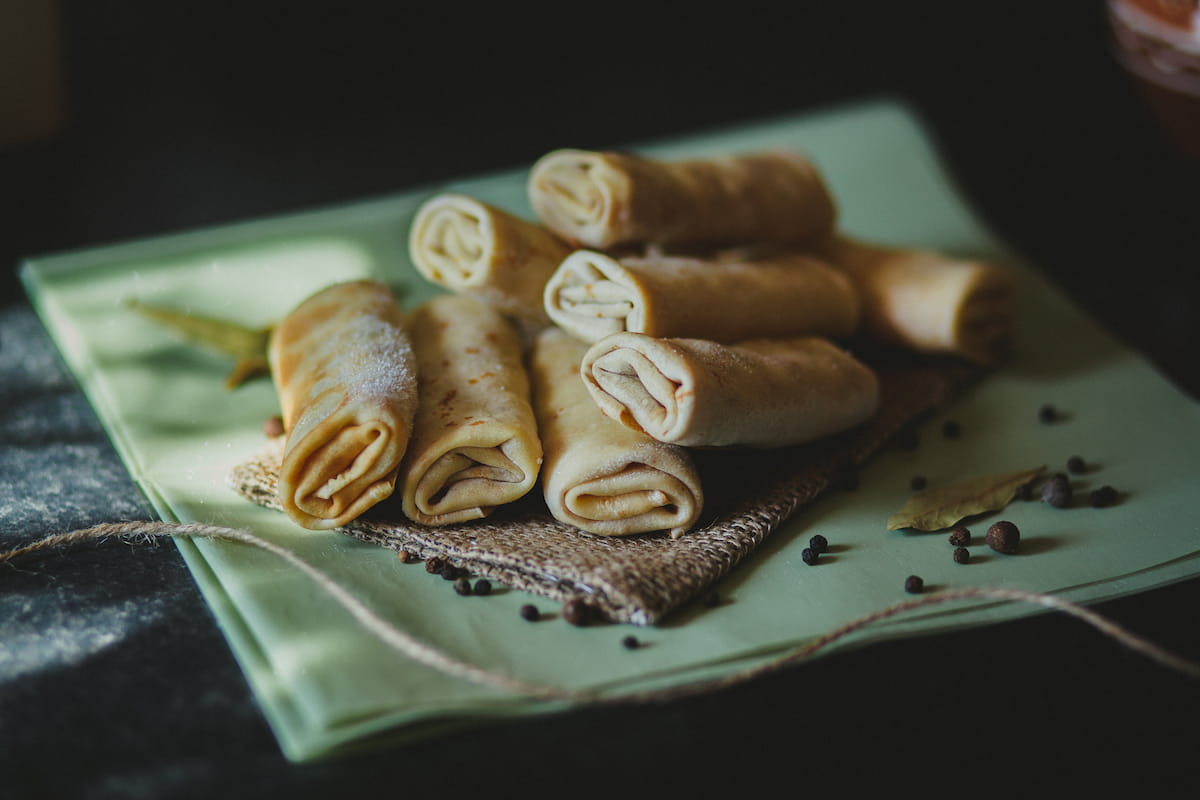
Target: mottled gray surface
[107,637]
[57,473]
[57,468]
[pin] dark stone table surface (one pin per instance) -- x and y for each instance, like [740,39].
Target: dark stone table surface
[114,679]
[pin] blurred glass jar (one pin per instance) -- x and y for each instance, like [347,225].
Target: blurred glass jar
[1158,42]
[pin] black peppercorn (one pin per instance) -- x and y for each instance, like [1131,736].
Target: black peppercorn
[1047,413]
[1057,491]
[462,586]
[529,612]
[960,537]
[482,587]
[577,612]
[1004,537]
[1076,465]
[917,483]
[435,565]
[818,543]
[809,555]
[961,555]
[913,584]
[1104,496]
[273,427]
[630,643]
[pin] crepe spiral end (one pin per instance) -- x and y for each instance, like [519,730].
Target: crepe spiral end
[572,192]
[448,241]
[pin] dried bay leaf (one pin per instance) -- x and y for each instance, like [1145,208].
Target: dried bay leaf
[940,507]
[248,346]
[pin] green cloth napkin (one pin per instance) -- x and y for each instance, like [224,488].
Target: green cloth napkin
[327,686]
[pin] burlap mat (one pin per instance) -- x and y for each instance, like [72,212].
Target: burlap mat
[640,579]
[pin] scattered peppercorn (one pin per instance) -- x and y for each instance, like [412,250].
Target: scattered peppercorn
[1057,491]
[1004,537]
[818,543]
[273,426]
[449,572]
[809,555]
[960,537]
[961,555]
[1047,413]
[577,612]
[435,565]
[405,557]
[483,587]
[529,612]
[913,584]
[1025,491]
[951,429]
[1076,465]
[917,483]
[630,643]
[462,586]
[1104,496]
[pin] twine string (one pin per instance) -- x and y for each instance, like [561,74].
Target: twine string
[424,653]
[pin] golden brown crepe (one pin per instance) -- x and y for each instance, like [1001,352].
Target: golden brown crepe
[471,247]
[344,369]
[598,475]
[927,301]
[475,444]
[726,299]
[758,393]
[605,200]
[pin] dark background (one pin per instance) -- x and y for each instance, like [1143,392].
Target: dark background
[187,114]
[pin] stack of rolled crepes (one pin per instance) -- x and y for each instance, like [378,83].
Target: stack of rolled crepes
[707,303]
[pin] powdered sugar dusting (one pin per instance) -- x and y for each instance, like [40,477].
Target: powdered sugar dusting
[387,366]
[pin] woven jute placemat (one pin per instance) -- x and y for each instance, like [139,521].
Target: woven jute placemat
[641,579]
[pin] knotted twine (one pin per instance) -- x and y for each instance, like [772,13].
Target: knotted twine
[424,653]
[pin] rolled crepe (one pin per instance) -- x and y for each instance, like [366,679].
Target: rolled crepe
[471,247]
[927,301]
[344,369]
[604,200]
[475,444]
[598,475]
[593,295]
[758,393]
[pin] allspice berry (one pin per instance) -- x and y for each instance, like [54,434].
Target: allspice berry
[1004,537]
[1057,491]
[1102,497]
[273,426]
[577,612]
